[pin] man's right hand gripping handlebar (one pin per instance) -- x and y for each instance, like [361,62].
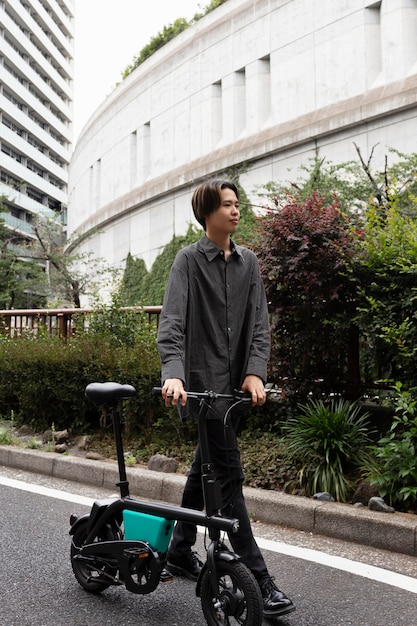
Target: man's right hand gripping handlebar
[173,392]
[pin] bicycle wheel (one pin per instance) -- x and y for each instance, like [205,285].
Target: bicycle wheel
[238,599]
[90,575]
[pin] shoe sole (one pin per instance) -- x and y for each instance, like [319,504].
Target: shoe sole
[180,571]
[279,612]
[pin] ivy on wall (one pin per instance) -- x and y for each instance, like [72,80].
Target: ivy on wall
[142,288]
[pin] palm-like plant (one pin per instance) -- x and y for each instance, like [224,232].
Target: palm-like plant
[330,445]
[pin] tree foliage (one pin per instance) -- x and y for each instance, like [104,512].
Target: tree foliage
[22,277]
[156,42]
[356,183]
[396,474]
[37,271]
[342,262]
[347,181]
[69,276]
[168,32]
[387,294]
[305,251]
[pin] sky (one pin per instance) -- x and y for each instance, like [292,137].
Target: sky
[108,35]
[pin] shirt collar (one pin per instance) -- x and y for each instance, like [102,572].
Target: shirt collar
[211,250]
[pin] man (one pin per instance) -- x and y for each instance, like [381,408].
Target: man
[214,335]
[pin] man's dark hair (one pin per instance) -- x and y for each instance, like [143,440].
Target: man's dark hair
[206,198]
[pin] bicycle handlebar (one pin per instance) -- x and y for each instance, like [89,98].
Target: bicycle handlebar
[211,395]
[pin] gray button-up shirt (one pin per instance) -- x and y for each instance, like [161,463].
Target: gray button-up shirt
[214,327]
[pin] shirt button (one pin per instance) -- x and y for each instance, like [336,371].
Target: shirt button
[229,330]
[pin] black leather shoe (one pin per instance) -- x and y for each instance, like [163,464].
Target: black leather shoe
[275,601]
[165,576]
[187,564]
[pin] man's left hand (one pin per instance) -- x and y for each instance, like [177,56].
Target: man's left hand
[254,386]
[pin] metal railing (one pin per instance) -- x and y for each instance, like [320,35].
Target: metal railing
[57,322]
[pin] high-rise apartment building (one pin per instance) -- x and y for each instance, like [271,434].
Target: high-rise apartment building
[36,94]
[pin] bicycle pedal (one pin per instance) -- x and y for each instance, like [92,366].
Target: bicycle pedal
[139,553]
[166,576]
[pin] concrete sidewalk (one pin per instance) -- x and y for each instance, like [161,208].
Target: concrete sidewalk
[389,531]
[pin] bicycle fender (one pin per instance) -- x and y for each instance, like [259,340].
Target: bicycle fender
[78,523]
[223,555]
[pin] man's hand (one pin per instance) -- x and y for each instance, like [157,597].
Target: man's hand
[173,392]
[255,387]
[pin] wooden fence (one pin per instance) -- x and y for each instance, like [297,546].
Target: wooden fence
[57,322]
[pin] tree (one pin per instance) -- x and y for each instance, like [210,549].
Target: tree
[379,209]
[348,181]
[305,251]
[68,276]
[396,183]
[386,271]
[34,273]
[22,278]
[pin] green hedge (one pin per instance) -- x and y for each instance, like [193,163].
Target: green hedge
[42,381]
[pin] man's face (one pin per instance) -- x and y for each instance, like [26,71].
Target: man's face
[224,220]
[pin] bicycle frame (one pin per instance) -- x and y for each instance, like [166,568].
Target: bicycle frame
[108,513]
[103,555]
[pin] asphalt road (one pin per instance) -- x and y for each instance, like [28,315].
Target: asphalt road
[38,588]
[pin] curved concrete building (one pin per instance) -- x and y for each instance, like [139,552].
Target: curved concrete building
[259,83]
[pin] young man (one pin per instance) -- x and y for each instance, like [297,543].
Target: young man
[214,335]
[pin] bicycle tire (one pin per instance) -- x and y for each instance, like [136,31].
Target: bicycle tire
[238,600]
[90,577]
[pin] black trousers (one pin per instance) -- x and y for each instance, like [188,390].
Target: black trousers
[225,455]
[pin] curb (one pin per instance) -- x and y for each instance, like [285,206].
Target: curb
[396,532]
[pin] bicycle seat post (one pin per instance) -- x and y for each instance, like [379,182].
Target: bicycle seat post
[123,483]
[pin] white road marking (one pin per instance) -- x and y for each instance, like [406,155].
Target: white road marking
[354,567]
[338,562]
[46,491]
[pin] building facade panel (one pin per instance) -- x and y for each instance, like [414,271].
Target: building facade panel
[256,84]
[36,85]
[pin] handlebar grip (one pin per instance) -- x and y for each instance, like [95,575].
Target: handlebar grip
[241,396]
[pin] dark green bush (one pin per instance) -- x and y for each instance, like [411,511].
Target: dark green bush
[396,474]
[265,462]
[386,307]
[42,379]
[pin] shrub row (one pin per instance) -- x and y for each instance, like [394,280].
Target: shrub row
[300,449]
[42,381]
